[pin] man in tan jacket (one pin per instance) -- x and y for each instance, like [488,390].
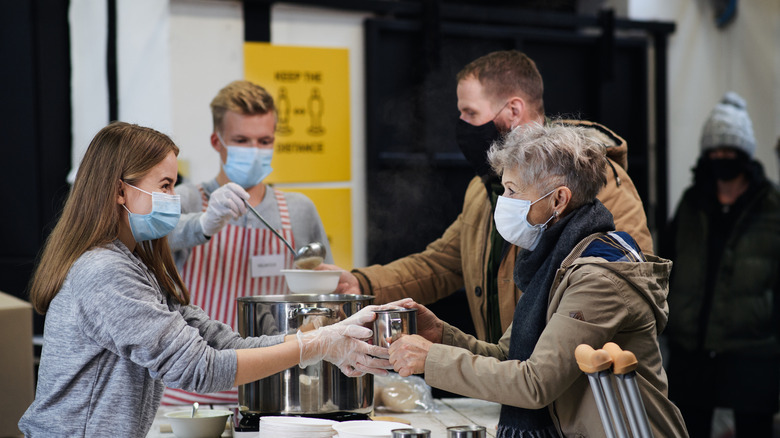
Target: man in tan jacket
[496,93]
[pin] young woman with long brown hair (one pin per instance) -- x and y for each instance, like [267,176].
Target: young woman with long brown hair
[118,324]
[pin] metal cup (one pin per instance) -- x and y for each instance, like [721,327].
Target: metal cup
[411,433]
[468,431]
[392,323]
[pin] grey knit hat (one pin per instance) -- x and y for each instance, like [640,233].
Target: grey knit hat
[729,125]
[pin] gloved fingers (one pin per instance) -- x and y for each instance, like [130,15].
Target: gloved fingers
[213,220]
[237,190]
[228,200]
[350,371]
[364,316]
[375,362]
[367,314]
[353,331]
[357,364]
[374,350]
[236,207]
[405,302]
[235,197]
[369,370]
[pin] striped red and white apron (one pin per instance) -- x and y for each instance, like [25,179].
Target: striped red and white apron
[220,271]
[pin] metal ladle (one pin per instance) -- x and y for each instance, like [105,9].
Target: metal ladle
[308,257]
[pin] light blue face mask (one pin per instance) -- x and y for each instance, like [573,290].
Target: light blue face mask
[163,218]
[247,166]
[512,224]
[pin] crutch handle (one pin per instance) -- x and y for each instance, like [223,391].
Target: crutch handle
[623,361]
[592,361]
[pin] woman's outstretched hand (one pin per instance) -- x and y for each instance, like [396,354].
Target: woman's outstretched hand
[344,346]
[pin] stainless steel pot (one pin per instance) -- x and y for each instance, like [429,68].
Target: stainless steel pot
[317,389]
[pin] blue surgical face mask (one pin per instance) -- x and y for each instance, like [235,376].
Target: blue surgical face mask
[163,218]
[247,166]
[511,218]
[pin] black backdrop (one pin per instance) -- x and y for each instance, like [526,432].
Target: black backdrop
[35,116]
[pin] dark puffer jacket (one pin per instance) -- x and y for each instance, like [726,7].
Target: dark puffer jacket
[744,300]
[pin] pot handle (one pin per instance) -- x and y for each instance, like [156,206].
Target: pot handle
[310,311]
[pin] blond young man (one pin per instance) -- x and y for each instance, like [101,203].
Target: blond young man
[222,252]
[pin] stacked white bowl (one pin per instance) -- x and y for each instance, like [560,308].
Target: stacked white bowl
[296,427]
[367,429]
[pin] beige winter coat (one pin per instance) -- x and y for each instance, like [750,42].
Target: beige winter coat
[459,258]
[622,302]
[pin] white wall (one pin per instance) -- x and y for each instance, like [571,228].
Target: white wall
[89,84]
[705,62]
[207,53]
[143,66]
[143,69]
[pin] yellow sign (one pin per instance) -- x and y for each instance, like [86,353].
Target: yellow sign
[310,87]
[333,206]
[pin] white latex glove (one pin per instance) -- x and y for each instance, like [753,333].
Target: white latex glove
[343,346]
[224,203]
[366,315]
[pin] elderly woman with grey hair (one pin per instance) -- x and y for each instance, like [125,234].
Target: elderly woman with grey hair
[582,283]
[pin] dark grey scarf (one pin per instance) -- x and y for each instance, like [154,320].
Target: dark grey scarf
[534,274]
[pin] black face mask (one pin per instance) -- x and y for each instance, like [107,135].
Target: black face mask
[474,142]
[727,169]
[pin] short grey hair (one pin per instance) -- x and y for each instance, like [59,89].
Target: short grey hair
[551,156]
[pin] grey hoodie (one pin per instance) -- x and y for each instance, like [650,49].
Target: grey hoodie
[112,341]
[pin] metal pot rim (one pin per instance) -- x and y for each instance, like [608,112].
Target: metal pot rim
[306,298]
[396,310]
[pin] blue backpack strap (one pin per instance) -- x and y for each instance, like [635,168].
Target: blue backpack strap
[615,246]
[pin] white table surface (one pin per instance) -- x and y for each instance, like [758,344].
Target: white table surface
[447,412]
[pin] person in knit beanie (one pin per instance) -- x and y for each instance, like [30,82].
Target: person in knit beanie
[727,137]
[724,295]
[729,125]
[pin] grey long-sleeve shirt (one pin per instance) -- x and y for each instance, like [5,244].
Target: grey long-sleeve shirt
[112,340]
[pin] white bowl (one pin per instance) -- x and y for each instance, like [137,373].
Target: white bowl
[296,427]
[208,423]
[308,281]
[368,429]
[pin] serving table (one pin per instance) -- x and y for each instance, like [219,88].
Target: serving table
[447,412]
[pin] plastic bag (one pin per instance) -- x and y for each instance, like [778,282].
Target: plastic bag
[393,393]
